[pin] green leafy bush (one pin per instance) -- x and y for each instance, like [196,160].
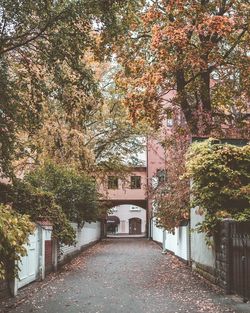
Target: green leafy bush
[39,205]
[55,193]
[75,193]
[14,232]
[220,176]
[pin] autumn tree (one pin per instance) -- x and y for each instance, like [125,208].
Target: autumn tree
[171,194]
[58,104]
[89,131]
[44,71]
[196,50]
[23,32]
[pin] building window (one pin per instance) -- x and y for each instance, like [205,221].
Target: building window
[112,182]
[135,182]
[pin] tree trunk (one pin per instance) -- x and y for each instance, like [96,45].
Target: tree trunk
[188,111]
[205,96]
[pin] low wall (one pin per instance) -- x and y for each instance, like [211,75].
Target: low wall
[89,233]
[4,292]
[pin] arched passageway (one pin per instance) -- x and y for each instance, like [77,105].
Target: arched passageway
[127,220]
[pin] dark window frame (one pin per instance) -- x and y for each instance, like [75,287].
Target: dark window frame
[135,182]
[113,182]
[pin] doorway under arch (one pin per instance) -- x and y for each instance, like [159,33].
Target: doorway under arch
[135,226]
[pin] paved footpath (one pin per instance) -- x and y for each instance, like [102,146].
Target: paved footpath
[123,276]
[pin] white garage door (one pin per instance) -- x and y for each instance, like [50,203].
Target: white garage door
[29,265]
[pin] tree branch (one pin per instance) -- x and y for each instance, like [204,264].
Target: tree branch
[33,37]
[141,36]
[235,43]
[213,67]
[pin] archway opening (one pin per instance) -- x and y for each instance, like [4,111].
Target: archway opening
[127,220]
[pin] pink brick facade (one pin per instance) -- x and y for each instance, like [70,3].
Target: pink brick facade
[124,194]
[156,160]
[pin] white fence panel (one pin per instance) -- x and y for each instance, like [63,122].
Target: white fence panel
[183,243]
[89,233]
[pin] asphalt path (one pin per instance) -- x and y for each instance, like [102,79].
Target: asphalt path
[123,276]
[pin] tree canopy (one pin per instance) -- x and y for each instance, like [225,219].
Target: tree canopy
[189,54]
[57,194]
[51,91]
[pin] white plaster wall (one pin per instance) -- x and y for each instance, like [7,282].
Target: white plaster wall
[124,214]
[178,242]
[90,232]
[157,232]
[200,252]
[65,250]
[171,242]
